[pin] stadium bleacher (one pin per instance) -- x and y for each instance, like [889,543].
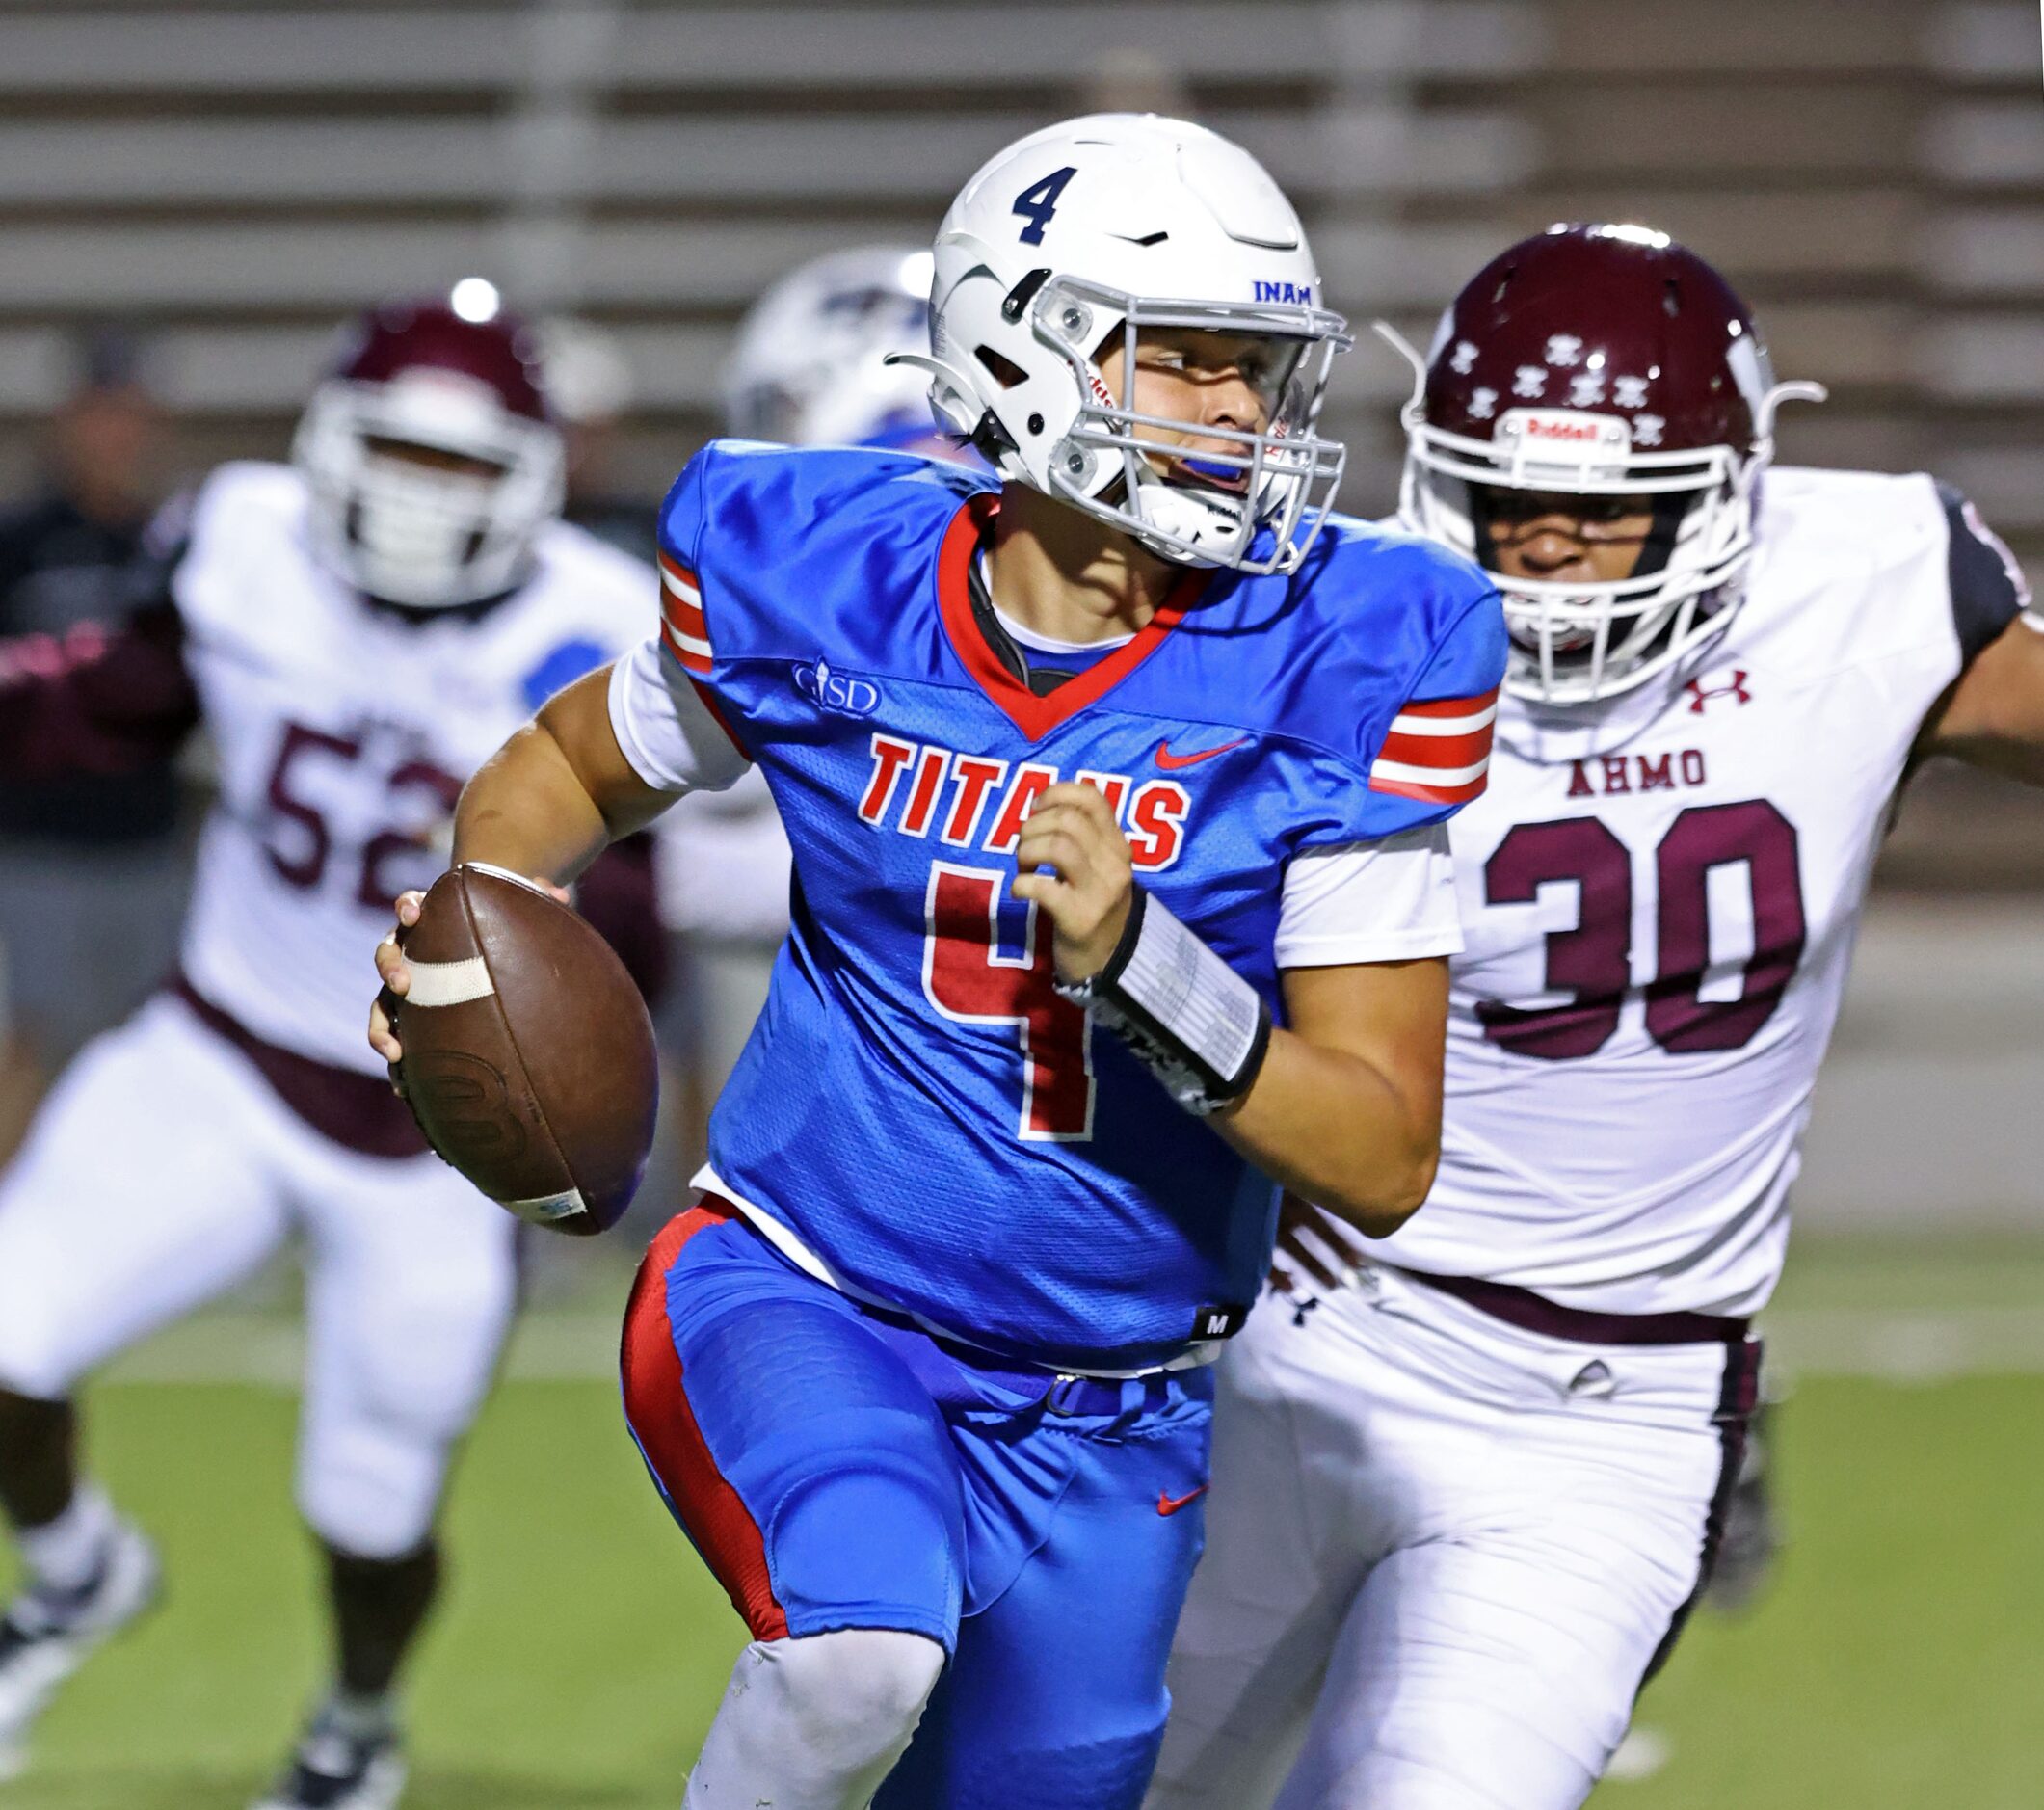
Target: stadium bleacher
[236,177]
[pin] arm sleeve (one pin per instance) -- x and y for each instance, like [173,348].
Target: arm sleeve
[667,726]
[1988,589]
[1391,900]
[97,700]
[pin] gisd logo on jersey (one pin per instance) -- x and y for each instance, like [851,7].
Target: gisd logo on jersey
[845,693]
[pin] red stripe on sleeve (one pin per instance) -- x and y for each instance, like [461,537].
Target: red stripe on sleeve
[1437,751]
[685,618]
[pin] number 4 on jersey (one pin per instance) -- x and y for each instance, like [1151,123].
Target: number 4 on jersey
[969,979]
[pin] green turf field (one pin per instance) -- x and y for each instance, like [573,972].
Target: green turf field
[1898,1664]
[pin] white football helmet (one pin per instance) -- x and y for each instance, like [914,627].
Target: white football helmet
[1076,239]
[810,366]
[418,375]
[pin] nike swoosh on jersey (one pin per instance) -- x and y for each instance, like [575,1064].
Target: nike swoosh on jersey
[1169,1504]
[1171,763]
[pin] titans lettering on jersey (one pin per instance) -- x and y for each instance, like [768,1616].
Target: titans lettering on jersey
[917,1104]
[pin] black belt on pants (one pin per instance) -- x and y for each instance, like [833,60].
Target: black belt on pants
[1535,1312]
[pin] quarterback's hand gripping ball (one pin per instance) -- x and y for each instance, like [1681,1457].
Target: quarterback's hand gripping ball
[528,1058]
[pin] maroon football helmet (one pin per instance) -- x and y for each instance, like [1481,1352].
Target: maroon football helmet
[431,455]
[1599,361]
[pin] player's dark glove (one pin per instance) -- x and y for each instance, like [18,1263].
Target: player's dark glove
[1752,1536]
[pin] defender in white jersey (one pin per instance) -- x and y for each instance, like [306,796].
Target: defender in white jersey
[357,633]
[1468,1480]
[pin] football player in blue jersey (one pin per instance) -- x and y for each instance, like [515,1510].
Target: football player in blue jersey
[1117,784]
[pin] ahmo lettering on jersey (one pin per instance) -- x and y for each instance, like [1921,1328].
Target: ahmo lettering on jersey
[976,801]
[1604,776]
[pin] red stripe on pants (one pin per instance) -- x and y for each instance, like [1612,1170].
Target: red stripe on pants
[656,1407]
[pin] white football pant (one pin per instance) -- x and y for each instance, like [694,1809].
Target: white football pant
[1442,1553]
[162,1170]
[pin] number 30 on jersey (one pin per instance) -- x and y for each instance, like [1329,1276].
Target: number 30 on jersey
[1593,962]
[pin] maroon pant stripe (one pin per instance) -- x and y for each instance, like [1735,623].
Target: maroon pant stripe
[1737,1399]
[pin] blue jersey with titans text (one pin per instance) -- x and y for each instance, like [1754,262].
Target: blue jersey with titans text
[935,1125]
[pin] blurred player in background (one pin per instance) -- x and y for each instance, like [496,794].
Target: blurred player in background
[356,633]
[93,868]
[588,382]
[1469,1479]
[1091,774]
[811,367]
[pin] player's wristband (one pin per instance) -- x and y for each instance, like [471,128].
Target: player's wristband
[1194,1023]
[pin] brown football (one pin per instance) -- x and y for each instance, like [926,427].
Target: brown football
[529,1058]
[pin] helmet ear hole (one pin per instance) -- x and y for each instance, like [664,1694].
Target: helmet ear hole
[1004,370]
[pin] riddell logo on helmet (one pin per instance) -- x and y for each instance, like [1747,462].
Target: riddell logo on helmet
[1295,294]
[1563,427]
[1570,429]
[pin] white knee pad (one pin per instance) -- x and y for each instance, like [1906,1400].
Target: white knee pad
[33,1358]
[370,1491]
[817,1722]
[408,1313]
